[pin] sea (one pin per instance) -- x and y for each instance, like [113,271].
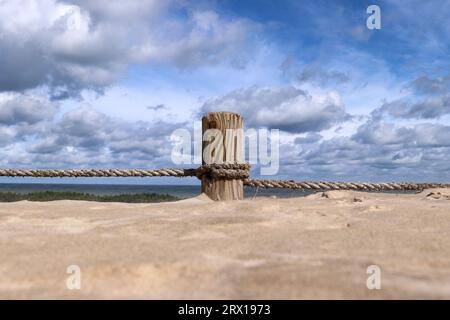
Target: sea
[180,191]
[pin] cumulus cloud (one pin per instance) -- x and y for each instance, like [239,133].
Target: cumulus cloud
[285,108]
[55,44]
[18,109]
[425,158]
[94,134]
[206,38]
[314,73]
[381,133]
[34,133]
[24,115]
[310,137]
[427,85]
[377,150]
[420,135]
[428,108]
[74,45]
[433,101]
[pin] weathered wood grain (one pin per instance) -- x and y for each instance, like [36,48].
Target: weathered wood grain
[231,152]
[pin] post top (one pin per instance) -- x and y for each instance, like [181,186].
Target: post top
[222,113]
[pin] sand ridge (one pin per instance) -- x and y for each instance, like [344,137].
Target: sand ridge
[318,246]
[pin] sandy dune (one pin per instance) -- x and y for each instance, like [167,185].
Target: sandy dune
[314,247]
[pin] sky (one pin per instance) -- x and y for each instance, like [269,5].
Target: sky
[103,84]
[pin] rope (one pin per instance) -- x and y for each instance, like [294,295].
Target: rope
[306,185]
[50,173]
[236,171]
[226,171]
[212,171]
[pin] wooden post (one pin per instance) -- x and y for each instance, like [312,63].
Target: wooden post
[229,150]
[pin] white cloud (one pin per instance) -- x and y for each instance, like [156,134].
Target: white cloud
[24,115]
[75,45]
[16,109]
[285,108]
[206,38]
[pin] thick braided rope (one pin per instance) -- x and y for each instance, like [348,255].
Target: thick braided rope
[213,171]
[51,173]
[218,172]
[228,171]
[319,185]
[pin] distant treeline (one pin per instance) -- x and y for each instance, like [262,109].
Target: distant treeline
[60,195]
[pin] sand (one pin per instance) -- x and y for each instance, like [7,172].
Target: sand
[314,247]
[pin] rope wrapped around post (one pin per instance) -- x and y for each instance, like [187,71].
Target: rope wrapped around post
[225,171]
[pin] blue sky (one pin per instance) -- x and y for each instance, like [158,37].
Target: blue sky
[104,83]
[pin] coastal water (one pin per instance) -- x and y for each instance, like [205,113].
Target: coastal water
[180,191]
